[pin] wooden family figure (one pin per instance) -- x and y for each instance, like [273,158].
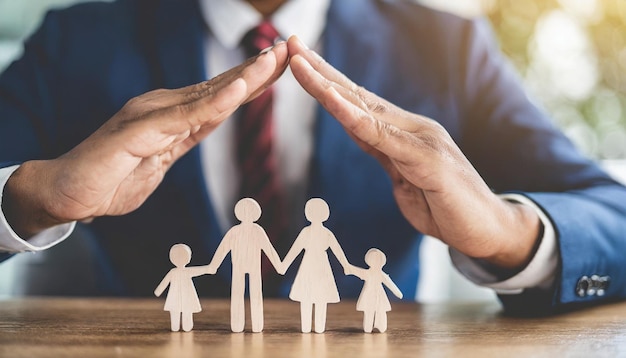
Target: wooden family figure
[373,299]
[314,285]
[245,242]
[182,298]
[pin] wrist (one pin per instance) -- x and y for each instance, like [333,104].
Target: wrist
[523,230]
[22,202]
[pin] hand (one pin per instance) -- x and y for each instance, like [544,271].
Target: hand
[349,270]
[281,268]
[114,170]
[436,187]
[211,270]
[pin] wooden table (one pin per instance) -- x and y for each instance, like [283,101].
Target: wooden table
[62,327]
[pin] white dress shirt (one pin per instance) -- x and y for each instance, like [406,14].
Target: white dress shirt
[294,110]
[294,115]
[11,242]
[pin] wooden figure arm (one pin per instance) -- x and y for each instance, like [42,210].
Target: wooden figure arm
[220,254]
[356,271]
[161,287]
[271,254]
[339,254]
[392,286]
[294,251]
[198,270]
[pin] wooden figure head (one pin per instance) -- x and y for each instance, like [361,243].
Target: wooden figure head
[316,210]
[180,255]
[247,210]
[375,258]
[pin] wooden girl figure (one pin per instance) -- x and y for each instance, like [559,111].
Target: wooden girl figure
[314,283]
[182,298]
[373,299]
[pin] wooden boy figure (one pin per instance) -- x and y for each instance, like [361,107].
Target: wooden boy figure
[182,298]
[373,299]
[245,242]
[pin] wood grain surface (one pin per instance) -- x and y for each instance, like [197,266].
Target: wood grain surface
[63,327]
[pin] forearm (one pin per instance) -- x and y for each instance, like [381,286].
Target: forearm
[220,253]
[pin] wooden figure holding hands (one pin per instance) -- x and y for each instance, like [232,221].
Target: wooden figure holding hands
[314,283]
[245,242]
[182,298]
[373,299]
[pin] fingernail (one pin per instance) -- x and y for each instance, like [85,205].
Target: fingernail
[302,43]
[266,50]
[277,41]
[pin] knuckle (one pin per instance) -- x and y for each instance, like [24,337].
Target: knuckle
[201,90]
[319,60]
[159,92]
[326,83]
[430,140]
[379,108]
[435,137]
[133,102]
[359,92]
[191,96]
[145,102]
[183,110]
[206,88]
[372,103]
[383,131]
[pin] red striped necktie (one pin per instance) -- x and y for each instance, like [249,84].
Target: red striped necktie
[256,154]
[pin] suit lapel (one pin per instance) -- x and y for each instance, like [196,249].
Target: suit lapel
[179,33]
[180,51]
[340,184]
[364,213]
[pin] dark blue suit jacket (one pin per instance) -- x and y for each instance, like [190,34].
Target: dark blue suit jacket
[84,63]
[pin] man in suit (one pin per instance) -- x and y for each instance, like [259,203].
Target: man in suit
[471,160]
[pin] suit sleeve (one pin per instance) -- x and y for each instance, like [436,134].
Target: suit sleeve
[51,98]
[10,242]
[27,98]
[517,149]
[28,117]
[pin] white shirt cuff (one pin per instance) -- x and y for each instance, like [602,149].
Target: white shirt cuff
[539,273]
[12,243]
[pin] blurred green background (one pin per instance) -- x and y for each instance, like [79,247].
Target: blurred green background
[571,55]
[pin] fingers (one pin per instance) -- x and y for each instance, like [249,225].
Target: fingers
[357,120]
[320,87]
[212,101]
[297,47]
[314,71]
[404,137]
[159,120]
[254,71]
[186,140]
[282,60]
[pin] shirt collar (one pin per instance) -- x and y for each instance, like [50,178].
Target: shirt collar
[230,20]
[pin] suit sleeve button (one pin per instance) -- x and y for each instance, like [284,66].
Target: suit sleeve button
[582,286]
